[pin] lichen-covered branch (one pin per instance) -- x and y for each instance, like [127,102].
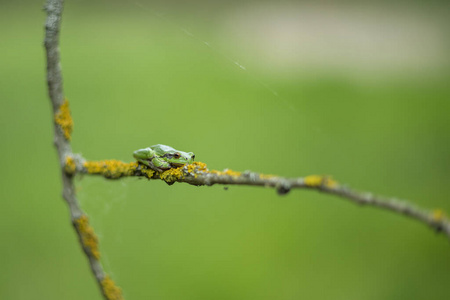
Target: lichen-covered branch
[63,128]
[198,174]
[194,174]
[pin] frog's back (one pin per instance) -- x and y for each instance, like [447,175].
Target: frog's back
[162,149]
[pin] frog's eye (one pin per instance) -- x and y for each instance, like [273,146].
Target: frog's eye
[176,155]
[193,156]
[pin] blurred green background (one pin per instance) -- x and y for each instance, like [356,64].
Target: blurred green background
[357,91]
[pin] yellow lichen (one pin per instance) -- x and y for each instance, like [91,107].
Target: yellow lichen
[438,215]
[197,166]
[200,166]
[231,172]
[110,289]
[64,119]
[267,176]
[110,168]
[320,181]
[330,182]
[313,180]
[172,175]
[70,166]
[227,172]
[148,172]
[88,236]
[191,168]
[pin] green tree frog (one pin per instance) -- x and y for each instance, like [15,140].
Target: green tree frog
[161,157]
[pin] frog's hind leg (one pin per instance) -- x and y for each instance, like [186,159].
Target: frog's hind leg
[159,164]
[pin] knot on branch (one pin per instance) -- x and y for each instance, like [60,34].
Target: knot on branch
[70,166]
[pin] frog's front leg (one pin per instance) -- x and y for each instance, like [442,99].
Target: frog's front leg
[159,164]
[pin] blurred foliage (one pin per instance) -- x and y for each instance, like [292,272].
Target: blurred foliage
[133,80]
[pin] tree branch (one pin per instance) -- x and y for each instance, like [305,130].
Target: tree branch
[194,174]
[198,174]
[63,126]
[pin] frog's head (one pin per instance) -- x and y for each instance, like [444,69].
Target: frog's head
[179,158]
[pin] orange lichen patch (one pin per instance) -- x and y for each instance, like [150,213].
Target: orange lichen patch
[64,119]
[88,236]
[110,289]
[110,168]
[70,166]
[172,175]
[226,172]
[438,215]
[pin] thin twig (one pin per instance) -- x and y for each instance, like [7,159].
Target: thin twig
[86,235]
[198,174]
